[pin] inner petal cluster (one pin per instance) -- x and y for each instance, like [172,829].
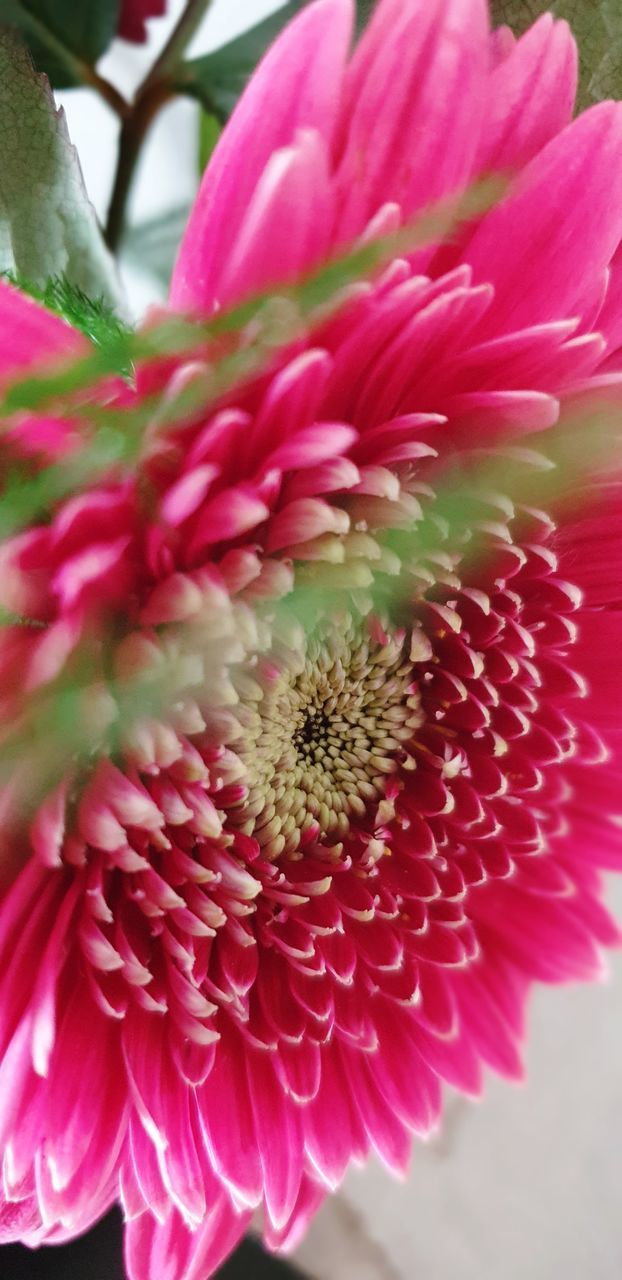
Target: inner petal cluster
[322,735]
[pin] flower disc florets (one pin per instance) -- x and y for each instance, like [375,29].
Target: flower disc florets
[324,725]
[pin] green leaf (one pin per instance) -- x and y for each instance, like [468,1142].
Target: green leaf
[597,27]
[48,227]
[218,79]
[210,130]
[153,245]
[63,34]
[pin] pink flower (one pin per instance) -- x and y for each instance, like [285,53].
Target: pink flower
[244,947]
[133,18]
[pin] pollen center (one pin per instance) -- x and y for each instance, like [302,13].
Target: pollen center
[322,736]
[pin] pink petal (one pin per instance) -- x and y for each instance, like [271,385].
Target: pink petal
[428,139]
[334,1134]
[170,1251]
[304,519]
[487,414]
[288,1237]
[279,1138]
[530,97]
[387,1133]
[227,515]
[312,446]
[287,225]
[30,335]
[307,65]
[85,1089]
[565,211]
[48,828]
[291,403]
[543,937]
[227,1119]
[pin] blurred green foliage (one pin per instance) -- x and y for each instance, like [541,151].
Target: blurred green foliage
[63,35]
[218,79]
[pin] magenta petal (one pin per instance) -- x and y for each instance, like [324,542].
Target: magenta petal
[566,211]
[307,65]
[279,1138]
[334,1132]
[387,1133]
[293,400]
[227,1119]
[610,316]
[288,1237]
[427,142]
[495,1038]
[147,1186]
[286,228]
[170,1251]
[530,97]
[546,939]
[20,1220]
[30,335]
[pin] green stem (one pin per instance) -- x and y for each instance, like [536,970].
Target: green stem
[155,90]
[178,42]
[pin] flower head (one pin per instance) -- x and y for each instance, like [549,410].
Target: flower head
[247,936]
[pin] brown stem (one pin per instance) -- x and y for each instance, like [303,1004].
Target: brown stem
[107,91]
[133,133]
[155,90]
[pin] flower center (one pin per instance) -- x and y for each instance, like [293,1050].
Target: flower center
[323,734]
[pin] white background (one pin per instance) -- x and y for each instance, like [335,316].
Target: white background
[168,174]
[528,1184]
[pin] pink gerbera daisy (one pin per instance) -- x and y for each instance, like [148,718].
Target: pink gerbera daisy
[246,944]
